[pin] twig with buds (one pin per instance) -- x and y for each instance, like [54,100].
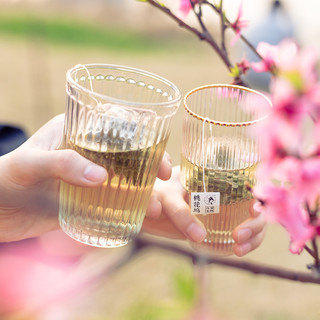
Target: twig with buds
[205,35]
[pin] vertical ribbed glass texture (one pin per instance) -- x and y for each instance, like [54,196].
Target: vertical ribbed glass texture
[220,153]
[119,118]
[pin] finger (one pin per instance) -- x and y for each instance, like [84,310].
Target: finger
[248,229]
[66,165]
[178,212]
[246,247]
[165,169]
[154,207]
[253,212]
[163,228]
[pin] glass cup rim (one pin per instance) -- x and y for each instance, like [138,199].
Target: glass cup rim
[169,103]
[224,123]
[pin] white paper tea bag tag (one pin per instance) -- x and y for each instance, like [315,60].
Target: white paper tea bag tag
[205,202]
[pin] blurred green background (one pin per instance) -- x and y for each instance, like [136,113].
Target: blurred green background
[39,42]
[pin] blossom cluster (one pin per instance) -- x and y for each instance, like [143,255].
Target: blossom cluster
[289,174]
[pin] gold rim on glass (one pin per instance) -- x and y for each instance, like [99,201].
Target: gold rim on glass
[223,123]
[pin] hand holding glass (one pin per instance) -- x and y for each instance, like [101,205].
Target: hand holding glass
[119,118]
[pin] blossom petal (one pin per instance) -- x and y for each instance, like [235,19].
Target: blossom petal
[185,7]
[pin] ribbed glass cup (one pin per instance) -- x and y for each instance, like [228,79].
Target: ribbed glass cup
[219,156]
[119,118]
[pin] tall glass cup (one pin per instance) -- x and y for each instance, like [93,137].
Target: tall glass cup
[119,118]
[219,157]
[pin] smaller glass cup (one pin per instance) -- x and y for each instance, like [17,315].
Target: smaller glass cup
[119,118]
[219,158]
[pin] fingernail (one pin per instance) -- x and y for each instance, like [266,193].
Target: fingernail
[94,173]
[169,161]
[196,232]
[168,158]
[244,235]
[154,208]
[244,249]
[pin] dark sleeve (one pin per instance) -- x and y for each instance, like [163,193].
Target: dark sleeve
[10,138]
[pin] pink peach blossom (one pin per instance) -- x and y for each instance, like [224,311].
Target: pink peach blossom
[269,53]
[283,206]
[238,25]
[244,66]
[297,65]
[186,7]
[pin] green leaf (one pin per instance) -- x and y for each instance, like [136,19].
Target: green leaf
[185,286]
[235,72]
[295,78]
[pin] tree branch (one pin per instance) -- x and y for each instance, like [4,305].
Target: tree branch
[222,27]
[233,263]
[204,36]
[242,37]
[310,251]
[316,253]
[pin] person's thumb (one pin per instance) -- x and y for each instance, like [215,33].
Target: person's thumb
[67,165]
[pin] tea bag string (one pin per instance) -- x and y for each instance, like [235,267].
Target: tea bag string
[90,80]
[202,145]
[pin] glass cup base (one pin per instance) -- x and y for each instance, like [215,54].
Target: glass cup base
[213,248]
[91,238]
